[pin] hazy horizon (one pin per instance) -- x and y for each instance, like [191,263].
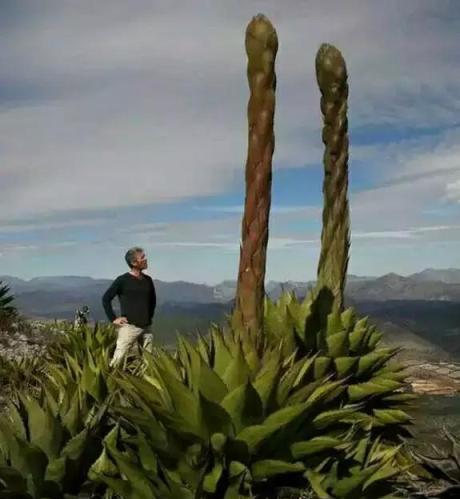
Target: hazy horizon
[229,279]
[125,125]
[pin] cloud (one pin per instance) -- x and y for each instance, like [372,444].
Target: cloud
[441,172]
[275,209]
[453,191]
[10,248]
[46,226]
[409,178]
[110,108]
[401,234]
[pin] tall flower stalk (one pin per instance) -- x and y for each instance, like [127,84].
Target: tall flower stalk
[261,48]
[331,74]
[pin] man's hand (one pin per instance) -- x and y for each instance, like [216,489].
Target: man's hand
[119,321]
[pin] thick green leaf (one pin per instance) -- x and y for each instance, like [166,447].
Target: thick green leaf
[210,384]
[212,478]
[267,381]
[392,416]
[321,366]
[337,344]
[356,338]
[313,446]
[267,468]
[376,386]
[345,366]
[213,418]
[316,479]
[327,418]
[72,417]
[255,435]
[351,486]
[141,487]
[237,372]
[334,323]
[385,472]
[348,318]
[27,459]
[244,406]
[287,414]
[44,430]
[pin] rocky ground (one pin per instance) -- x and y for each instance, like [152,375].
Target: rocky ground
[26,340]
[434,378]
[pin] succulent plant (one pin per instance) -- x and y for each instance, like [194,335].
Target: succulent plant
[220,423]
[47,446]
[348,349]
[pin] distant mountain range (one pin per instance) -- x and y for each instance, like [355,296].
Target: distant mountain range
[420,312]
[59,296]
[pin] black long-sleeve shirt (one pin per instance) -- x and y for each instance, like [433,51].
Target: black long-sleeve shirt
[137,299]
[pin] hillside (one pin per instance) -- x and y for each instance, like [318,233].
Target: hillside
[413,311]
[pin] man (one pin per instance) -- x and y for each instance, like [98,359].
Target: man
[137,296]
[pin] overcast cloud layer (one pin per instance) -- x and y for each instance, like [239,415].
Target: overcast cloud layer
[118,120]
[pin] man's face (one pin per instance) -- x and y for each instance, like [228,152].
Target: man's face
[141,261]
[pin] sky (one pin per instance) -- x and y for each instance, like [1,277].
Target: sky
[124,124]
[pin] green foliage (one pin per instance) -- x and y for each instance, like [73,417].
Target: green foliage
[224,418]
[224,423]
[24,373]
[48,444]
[83,343]
[8,311]
[346,348]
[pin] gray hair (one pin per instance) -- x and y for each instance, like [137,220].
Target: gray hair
[130,256]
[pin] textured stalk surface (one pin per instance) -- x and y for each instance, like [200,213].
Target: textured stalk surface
[331,74]
[261,49]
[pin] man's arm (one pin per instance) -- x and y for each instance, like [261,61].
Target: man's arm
[109,295]
[153,299]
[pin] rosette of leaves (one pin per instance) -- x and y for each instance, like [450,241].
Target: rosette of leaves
[47,445]
[17,374]
[347,348]
[222,426]
[80,343]
[131,470]
[369,470]
[82,356]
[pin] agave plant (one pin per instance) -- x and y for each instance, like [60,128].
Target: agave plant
[47,445]
[347,348]
[52,434]
[221,425]
[134,472]
[78,342]
[23,373]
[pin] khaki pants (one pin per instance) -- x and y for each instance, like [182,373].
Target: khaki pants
[129,336]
